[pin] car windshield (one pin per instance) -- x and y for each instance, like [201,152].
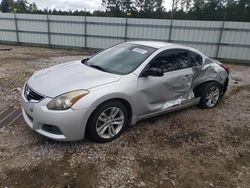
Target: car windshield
[120,59]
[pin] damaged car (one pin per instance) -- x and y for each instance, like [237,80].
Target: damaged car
[99,97]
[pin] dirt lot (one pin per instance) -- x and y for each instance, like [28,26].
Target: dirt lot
[189,148]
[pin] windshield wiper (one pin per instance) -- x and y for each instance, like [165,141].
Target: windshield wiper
[98,67]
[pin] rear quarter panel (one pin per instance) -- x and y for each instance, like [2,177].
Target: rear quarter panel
[209,71]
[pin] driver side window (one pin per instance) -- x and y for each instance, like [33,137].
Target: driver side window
[171,60]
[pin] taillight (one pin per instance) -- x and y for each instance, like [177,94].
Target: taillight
[226,68]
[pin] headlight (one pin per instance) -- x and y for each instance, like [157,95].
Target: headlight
[65,101]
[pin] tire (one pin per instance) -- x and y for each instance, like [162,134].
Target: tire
[102,119]
[207,92]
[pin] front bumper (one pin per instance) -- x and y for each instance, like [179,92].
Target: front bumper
[70,123]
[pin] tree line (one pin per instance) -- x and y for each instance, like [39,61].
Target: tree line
[230,10]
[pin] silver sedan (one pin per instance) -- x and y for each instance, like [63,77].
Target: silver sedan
[101,96]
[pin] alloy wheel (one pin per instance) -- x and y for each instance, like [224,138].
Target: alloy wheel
[212,96]
[110,122]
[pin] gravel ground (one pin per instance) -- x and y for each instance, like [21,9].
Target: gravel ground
[188,148]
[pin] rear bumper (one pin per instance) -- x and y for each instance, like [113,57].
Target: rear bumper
[225,86]
[70,123]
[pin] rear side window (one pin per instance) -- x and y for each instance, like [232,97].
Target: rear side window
[195,59]
[171,60]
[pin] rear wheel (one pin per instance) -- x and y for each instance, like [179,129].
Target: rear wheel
[210,94]
[107,122]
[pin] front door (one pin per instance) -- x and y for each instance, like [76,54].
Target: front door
[173,88]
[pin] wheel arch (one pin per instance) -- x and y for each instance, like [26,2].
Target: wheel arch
[203,83]
[125,102]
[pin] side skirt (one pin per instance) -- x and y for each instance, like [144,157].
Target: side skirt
[191,102]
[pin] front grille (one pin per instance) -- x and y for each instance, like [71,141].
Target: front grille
[31,95]
[52,129]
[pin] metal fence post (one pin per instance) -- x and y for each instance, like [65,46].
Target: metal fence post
[221,32]
[126,30]
[171,23]
[170,30]
[219,39]
[48,24]
[16,27]
[85,32]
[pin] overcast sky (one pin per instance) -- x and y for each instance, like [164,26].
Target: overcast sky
[77,4]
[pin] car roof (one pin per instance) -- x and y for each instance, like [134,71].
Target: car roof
[159,44]
[155,44]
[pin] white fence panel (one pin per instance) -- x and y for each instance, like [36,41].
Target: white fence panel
[7,27]
[94,42]
[68,41]
[6,23]
[8,36]
[31,22]
[106,26]
[229,40]
[33,38]
[236,33]
[74,24]
[228,52]
[209,50]
[32,26]
[202,31]
[148,29]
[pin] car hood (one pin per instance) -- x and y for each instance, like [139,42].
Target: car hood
[68,77]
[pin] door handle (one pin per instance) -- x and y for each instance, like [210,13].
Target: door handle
[187,76]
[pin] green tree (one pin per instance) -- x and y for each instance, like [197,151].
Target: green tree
[113,7]
[145,6]
[186,5]
[149,5]
[6,5]
[127,6]
[150,8]
[33,7]
[21,6]
[158,6]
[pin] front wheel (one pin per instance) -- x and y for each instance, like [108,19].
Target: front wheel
[107,122]
[210,94]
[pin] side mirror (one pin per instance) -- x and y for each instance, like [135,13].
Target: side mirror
[153,71]
[84,60]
